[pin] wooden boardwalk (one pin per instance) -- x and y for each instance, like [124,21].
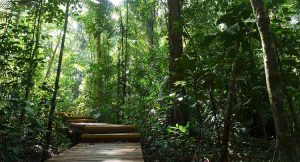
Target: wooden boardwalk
[101,142]
[101,152]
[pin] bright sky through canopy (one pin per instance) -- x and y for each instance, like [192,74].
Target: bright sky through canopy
[115,2]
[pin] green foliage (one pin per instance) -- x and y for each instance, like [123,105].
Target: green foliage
[23,49]
[90,84]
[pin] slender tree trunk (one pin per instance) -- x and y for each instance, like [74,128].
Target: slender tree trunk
[228,120]
[150,28]
[125,57]
[120,55]
[198,106]
[295,118]
[214,110]
[31,59]
[118,110]
[259,126]
[51,61]
[98,46]
[288,149]
[179,112]
[99,76]
[53,101]
[122,62]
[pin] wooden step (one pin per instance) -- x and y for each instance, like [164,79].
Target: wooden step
[79,117]
[81,120]
[89,128]
[129,137]
[104,152]
[110,128]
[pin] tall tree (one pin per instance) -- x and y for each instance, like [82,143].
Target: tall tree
[179,111]
[35,49]
[150,26]
[55,92]
[125,55]
[52,58]
[287,146]
[228,120]
[100,88]
[120,96]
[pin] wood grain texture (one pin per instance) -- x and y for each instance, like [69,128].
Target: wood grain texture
[81,120]
[101,152]
[132,137]
[79,117]
[92,135]
[101,128]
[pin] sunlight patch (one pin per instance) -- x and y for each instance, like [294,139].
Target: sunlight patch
[116,2]
[95,1]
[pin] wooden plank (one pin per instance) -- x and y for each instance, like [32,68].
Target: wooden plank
[101,152]
[108,128]
[79,117]
[82,125]
[133,137]
[79,127]
[81,120]
[102,128]
[112,135]
[94,124]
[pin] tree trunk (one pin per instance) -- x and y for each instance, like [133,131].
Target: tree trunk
[294,117]
[285,141]
[231,104]
[31,59]
[179,112]
[99,89]
[51,61]
[120,55]
[53,101]
[125,57]
[98,46]
[258,127]
[150,28]
[214,110]
[198,106]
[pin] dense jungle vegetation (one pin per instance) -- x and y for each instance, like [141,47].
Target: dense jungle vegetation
[201,79]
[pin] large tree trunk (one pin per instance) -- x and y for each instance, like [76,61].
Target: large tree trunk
[285,141]
[179,112]
[55,92]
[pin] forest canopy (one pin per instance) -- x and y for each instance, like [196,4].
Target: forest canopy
[200,79]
